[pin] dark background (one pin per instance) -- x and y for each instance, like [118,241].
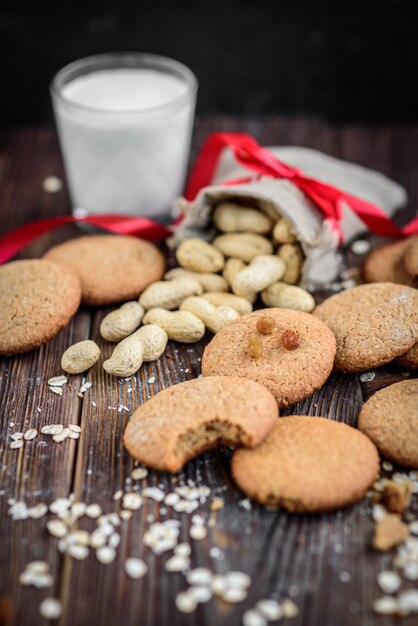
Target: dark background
[345,61]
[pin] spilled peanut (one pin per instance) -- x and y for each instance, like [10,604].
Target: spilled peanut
[230,217]
[262,271]
[242,305]
[179,325]
[169,294]
[80,357]
[244,246]
[292,256]
[213,317]
[199,256]
[287,296]
[209,282]
[120,323]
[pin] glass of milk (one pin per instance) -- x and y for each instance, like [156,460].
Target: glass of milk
[124,122]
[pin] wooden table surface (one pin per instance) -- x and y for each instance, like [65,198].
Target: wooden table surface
[323,562]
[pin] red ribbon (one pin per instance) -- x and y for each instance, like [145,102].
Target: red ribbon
[249,153]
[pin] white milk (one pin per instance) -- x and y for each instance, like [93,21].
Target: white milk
[125,137]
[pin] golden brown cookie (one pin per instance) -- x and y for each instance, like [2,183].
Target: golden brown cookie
[409,359]
[385,264]
[410,259]
[111,268]
[373,324]
[187,419]
[37,299]
[307,464]
[292,359]
[390,419]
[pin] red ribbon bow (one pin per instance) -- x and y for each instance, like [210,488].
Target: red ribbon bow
[249,153]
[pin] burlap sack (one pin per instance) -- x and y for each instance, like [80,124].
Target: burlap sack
[280,198]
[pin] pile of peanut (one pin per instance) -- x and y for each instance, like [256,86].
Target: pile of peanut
[197,295]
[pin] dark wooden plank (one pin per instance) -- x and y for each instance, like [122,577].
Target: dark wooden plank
[302,556]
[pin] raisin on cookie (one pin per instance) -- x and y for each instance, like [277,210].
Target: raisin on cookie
[293,360]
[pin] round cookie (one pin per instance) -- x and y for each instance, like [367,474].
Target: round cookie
[410,259]
[390,419]
[373,324]
[384,264]
[111,268]
[37,299]
[184,420]
[307,464]
[239,349]
[409,359]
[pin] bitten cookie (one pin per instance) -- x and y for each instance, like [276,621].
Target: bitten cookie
[37,299]
[110,268]
[409,359]
[390,419]
[307,464]
[385,264]
[289,352]
[373,324]
[187,419]
[410,259]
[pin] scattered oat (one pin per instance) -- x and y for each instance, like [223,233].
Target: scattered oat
[57,390]
[84,387]
[199,576]
[60,437]
[15,445]
[388,581]
[50,608]
[78,551]
[38,511]
[198,532]
[131,501]
[253,618]
[366,377]
[233,595]
[135,568]
[75,428]
[106,554]
[289,608]
[57,381]
[185,602]
[270,609]
[30,434]
[16,436]
[151,380]
[361,246]
[94,511]
[344,576]
[117,495]
[385,605]
[387,466]
[52,184]
[154,493]
[238,579]
[177,564]
[408,601]
[200,594]
[139,473]
[56,528]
